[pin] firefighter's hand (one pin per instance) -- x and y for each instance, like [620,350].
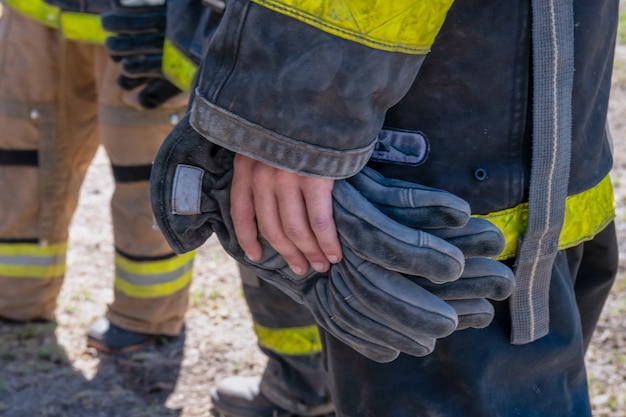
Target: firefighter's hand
[293,213]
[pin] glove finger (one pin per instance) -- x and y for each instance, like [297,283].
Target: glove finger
[381,240]
[479,238]
[157,92]
[321,310]
[144,67]
[477,313]
[406,338]
[481,278]
[404,306]
[348,313]
[133,22]
[128,84]
[411,204]
[491,279]
[122,46]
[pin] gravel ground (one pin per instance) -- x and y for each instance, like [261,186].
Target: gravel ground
[46,370]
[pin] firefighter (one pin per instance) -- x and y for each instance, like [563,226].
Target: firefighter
[294,381]
[60,99]
[302,149]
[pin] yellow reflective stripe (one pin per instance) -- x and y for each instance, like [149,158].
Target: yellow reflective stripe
[407,26]
[179,69]
[29,260]
[152,279]
[37,10]
[291,341]
[83,27]
[586,214]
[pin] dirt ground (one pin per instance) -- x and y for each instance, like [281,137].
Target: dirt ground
[46,370]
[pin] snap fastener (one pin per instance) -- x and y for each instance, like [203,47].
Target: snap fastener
[480,174]
[174,119]
[34,114]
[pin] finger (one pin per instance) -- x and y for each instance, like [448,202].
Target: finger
[242,211]
[253,183]
[127,83]
[477,313]
[123,46]
[412,204]
[133,23]
[397,247]
[365,324]
[270,221]
[270,214]
[402,304]
[481,278]
[295,223]
[305,203]
[349,335]
[479,238]
[157,92]
[319,205]
[142,67]
[492,279]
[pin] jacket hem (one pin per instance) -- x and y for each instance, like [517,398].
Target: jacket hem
[242,136]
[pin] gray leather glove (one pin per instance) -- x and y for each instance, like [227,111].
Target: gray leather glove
[370,300]
[478,239]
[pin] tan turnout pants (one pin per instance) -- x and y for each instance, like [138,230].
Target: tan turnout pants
[58,103]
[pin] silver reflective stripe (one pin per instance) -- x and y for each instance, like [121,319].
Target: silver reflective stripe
[142,3]
[25,260]
[553,69]
[153,279]
[187,190]
[129,116]
[24,111]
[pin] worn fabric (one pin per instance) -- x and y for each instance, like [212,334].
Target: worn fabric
[58,104]
[370,299]
[479,373]
[294,378]
[467,105]
[326,127]
[553,73]
[303,133]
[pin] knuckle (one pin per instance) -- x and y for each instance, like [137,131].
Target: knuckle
[296,234]
[271,235]
[321,223]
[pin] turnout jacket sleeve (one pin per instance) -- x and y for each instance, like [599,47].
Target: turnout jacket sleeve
[304,85]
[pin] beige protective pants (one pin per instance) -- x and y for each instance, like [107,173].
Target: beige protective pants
[58,102]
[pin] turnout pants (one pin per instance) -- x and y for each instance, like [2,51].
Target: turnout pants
[294,377]
[478,373]
[58,103]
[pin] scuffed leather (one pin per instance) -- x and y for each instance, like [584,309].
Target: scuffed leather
[369,300]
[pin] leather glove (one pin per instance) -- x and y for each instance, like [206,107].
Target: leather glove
[479,240]
[139,28]
[369,300]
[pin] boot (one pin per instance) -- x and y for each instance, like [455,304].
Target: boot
[108,338]
[240,396]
